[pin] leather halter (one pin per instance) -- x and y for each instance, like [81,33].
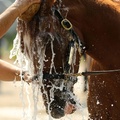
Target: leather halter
[66,24]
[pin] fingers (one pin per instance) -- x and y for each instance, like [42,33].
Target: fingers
[27,78]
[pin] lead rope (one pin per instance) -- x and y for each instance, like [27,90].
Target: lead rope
[88,73]
[63,76]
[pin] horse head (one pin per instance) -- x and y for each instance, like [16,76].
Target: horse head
[47,46]
[45,41]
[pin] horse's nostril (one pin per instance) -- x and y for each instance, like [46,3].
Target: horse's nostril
[57,107]
[57,113]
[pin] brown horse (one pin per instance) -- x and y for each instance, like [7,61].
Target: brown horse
[47,46]
[97,23]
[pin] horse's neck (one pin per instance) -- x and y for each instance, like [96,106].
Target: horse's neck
[96,21]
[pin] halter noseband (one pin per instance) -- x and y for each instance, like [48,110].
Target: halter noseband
[63,76]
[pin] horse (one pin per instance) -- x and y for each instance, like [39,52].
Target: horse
[48,50]
[97,23]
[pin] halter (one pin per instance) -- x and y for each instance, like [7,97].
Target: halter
[67,25]
[74,39]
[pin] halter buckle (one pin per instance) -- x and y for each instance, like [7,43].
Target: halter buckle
[66,24]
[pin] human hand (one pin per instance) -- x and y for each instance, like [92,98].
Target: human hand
[23,5]
[27,78]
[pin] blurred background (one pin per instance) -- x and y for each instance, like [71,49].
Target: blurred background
[7,40]
[11,104]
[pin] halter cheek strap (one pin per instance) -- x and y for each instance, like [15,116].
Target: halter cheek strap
[74,39]
[67,25]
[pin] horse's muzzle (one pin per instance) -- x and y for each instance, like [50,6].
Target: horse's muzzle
[59,110]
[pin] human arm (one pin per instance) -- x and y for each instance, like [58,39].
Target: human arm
[9,72]
[11,13]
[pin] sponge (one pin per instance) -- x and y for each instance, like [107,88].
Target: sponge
[31,11]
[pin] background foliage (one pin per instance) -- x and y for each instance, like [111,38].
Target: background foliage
[6,41]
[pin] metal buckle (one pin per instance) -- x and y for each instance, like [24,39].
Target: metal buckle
[66,24]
